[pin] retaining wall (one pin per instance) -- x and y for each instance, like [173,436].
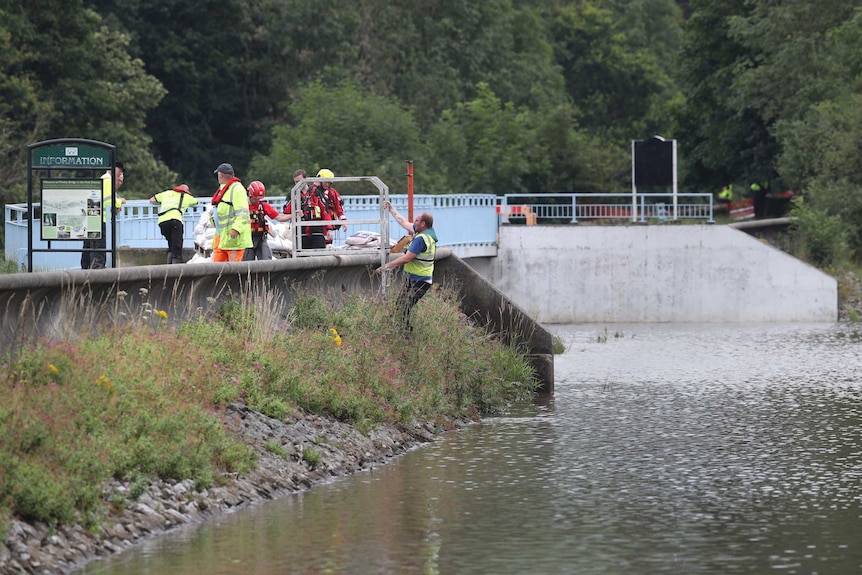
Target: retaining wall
[47,303]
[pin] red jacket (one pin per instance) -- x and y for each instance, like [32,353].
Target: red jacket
[312,210]
[331,200]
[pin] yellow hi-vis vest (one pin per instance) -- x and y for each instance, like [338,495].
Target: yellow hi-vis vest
[423,264]
[232,213]
[173,204]
[106,197]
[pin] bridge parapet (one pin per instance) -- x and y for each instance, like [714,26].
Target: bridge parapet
[465,223]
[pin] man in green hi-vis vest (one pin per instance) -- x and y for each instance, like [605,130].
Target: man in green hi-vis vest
[418,262]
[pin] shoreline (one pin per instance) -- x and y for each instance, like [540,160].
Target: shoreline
[165,506]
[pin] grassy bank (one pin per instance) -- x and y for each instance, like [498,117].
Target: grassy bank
[140,397]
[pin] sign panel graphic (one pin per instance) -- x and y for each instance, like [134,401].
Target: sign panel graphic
[71,209]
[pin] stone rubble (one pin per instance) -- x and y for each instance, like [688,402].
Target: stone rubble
[38,549]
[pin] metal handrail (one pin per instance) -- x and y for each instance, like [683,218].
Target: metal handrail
[576,207]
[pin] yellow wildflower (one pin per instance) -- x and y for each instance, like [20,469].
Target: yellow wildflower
[53,369]
[333,336]
[105,382]
[162,313]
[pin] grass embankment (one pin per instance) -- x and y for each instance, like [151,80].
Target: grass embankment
[136,398]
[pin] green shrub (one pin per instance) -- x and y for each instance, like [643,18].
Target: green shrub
[41,492]
[310,312]
[817,237]
[558,345]
[8,267]
[311,456]
[276,448]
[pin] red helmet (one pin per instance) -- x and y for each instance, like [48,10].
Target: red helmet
[256,190]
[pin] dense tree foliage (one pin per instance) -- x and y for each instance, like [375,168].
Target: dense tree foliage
[64,73]
[343,128]
[773,93]
[498,96]
[617,66]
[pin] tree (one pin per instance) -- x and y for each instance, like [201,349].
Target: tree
[488,146]
[789,65]
[723,137]
[484,146]
[345,129]
[228,66]
[69,76]
[616,68]
[22,113]
[821,158]
[228,85]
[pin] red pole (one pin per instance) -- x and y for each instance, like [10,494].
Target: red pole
[410,189]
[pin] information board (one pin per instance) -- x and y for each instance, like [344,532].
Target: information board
[71,209]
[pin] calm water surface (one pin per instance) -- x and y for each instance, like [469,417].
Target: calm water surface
[665,449]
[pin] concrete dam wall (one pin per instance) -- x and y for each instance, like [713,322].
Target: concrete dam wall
[668,273]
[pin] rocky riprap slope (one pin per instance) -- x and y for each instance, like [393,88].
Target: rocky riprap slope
[40,549]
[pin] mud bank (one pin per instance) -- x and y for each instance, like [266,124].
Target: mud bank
[166,506]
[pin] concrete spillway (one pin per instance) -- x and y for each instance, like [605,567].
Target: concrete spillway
[641,274]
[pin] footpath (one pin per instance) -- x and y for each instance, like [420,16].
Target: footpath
[39,549]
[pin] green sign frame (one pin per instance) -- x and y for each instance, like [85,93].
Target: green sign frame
[70,155]
[85,221]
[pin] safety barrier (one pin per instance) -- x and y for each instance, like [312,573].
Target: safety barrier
[522,211]
[468,224]
[741,209]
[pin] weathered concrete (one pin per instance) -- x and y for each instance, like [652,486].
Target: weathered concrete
[41,303]
[481,299]
[690,273]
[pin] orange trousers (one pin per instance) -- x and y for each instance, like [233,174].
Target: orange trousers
[220,255]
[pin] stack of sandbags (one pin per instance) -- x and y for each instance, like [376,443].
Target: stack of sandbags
[280,239]
[204,234]
[363,239]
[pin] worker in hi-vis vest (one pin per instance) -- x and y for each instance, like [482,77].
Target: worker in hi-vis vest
[96,260]
[173,204]
[418,262]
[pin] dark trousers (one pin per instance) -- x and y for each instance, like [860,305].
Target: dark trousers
[173,232]
[259,249]
[313,242]
[411,292]
[95,260]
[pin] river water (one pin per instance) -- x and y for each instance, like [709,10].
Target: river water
[666,449]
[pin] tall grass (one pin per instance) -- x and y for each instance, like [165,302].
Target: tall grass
[141,397]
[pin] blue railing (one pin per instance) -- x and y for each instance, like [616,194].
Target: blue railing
[465,223]
[574,208]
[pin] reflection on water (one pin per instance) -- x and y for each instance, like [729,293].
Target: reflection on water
[666,449]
